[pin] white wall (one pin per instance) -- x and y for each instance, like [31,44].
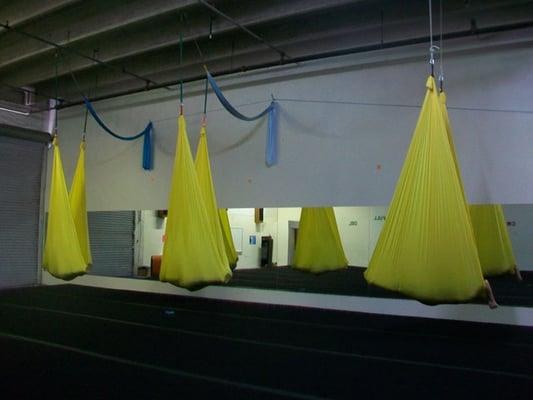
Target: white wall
[354,230]
[354,223]
[151,241]
[520,225]
[243,218]
[284,216]
[330,148]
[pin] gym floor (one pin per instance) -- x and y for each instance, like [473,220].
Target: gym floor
[71,341]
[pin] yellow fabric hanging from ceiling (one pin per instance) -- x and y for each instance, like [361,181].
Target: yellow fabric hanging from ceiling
[318,244]
[492,238]
[488,223]
[444,109]
[231,253]
[78,205]
[207,189]
[62,257]
[426,249]
[448,125]
[190,253]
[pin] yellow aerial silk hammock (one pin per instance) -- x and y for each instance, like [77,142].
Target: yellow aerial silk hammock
[449,134]
[318,245]
[488,223]
[492,238]
[78,206]
[231,253]
[63,256]
[191,256]
[207,189]
[427,249]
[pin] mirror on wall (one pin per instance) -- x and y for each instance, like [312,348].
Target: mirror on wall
[253,229]
[130,243]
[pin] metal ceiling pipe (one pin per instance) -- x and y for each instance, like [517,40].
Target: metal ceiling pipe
[334,53]
[123,70]
[211,7]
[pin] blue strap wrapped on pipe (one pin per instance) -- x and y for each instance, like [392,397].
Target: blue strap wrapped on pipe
[147,133]
[271,152]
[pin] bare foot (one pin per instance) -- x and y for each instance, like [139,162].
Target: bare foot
[517,273]
[492,301]
[493,304]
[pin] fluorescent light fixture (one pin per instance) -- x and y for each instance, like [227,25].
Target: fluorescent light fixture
[14,111]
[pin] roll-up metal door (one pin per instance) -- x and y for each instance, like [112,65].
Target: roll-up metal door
[21,166]
[112,242]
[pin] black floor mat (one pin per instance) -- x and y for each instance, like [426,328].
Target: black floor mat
[351,282]
[81,342]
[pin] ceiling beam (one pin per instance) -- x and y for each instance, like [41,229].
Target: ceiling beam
[461,42]
[148,46]
[359,28]
[223,45]
[81,21]
[150,36]
[19,12]
[304,48]
[116,45]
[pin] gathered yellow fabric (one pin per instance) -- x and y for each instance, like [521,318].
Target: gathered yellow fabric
[78,206]
[190,254]
[426,249]
[318,244]
[492,239]
[62,257]
[449,133]
[231,253]
[207,189]
[487,221]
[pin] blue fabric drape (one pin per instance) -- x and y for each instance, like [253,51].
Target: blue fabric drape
[148,146]
[271,152]
[147,133]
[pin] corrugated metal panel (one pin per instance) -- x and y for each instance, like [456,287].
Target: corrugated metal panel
[112,242]
[20,192]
